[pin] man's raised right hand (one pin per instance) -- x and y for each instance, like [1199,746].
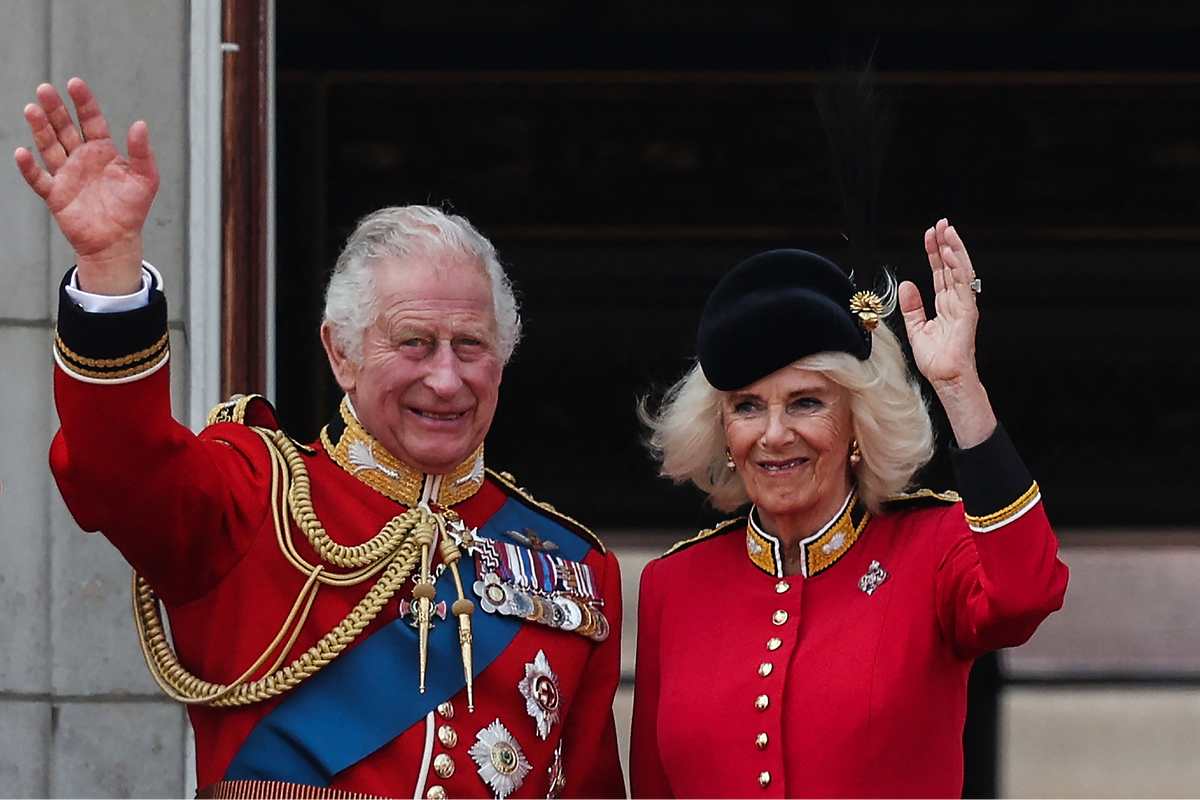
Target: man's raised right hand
[99,199]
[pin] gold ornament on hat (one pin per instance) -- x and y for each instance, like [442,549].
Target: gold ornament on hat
[868,308]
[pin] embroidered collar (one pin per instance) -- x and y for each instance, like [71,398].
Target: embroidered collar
[360,454]
[820,551]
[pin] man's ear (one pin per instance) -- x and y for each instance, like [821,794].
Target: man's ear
[345,371]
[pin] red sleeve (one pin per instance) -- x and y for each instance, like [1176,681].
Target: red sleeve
[180,508]
[591,758]
[646,774]
[1003,576]
[995,588]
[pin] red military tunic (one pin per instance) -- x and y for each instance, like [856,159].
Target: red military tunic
[194,515]
[848,680]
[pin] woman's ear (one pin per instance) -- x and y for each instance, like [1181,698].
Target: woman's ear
[345,370]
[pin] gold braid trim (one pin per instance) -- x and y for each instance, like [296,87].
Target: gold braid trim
[132,358]
[393,550]
[1007,512]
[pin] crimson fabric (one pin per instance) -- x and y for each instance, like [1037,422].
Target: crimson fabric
[867,693]
[192,515]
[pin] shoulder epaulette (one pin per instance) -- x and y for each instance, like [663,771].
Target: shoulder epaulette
[509,483]
[704,534]
[252,410]
[921,498]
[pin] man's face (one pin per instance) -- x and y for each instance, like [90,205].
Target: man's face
[430,375]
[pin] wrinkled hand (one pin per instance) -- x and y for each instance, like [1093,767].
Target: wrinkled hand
[943,347]
[99,199]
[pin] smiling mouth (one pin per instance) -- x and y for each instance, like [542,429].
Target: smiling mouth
[779,466]
[439,417]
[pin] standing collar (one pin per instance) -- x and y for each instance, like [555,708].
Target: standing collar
[820,551]
[360,454]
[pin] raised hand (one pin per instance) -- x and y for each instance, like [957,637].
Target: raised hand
[99,199]
[944,346]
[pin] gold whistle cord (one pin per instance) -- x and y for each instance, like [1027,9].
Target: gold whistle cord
[393,551]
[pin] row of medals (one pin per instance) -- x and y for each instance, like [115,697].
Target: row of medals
[556,609]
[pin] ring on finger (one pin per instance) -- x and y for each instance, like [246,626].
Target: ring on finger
[976,285]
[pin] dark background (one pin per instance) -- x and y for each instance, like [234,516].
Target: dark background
[623,155]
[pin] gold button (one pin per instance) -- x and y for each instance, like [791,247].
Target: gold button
[764,779]
[436,793]
[443,765]
[782,587]
[447,736]
[446,710]
[765,668]
[774,643]
[779,617]
[761,702]
[761,741]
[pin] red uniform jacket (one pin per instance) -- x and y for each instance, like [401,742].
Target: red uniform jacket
[850,679]
[194,516]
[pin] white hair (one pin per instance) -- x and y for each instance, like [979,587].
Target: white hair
[890,419]
[351,304]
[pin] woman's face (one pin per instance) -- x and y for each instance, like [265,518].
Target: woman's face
[790,435]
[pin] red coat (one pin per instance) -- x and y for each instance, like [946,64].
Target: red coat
[850,682]
[192,514]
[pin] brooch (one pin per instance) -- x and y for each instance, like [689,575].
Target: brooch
[502,765]
[868,308]
[875,576]
[540,688]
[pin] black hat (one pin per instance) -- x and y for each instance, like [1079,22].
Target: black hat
[775,308]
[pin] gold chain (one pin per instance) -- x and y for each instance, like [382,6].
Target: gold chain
[393,550]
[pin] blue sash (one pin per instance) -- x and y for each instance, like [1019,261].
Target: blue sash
[368,696]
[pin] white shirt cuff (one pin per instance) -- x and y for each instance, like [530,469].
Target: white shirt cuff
[110,304]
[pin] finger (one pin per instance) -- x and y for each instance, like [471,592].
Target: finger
[38,179]
[912,309]
[60,117]
[91,120]
[960,270]
[933,250]
[45,138]
[141,154]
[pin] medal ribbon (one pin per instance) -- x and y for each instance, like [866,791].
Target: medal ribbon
[369,695]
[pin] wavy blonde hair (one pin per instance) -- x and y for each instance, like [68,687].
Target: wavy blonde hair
[890,418]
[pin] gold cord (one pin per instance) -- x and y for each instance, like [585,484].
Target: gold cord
[393,551]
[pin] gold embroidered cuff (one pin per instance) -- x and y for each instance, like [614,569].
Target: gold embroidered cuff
[1007,514]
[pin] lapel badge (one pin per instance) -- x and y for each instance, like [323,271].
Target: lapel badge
[540,688]
[531,540]
[834,544]
[408,608]
[875,576]
[502,765]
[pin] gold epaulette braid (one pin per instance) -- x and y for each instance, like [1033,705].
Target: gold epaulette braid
[393,551]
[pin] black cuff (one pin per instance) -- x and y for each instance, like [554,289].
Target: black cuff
[991,476]
[117,346]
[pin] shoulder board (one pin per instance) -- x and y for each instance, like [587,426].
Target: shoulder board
[252,410]
[509,484]
[921,498]
[722,528]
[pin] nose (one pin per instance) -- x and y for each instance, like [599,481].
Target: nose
[777,431]
[444,376]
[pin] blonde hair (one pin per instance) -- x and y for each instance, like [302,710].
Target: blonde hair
[890,418]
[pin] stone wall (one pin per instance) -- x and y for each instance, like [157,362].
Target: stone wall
[79,714]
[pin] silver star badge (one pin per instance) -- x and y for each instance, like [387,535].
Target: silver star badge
[502,765]
[540,688]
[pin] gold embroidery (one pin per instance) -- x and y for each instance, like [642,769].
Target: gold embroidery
[1006,513]
[821,553]
[132,358]
[702,535]
[360,454]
